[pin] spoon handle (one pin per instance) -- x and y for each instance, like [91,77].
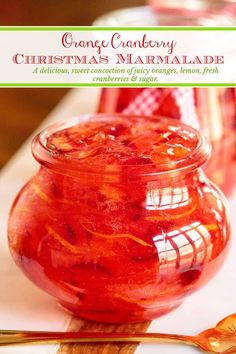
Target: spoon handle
[9,337]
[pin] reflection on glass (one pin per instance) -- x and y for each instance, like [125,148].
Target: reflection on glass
[167,198]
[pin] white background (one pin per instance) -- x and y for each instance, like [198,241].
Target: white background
[190,43]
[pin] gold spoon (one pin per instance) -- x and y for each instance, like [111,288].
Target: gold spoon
[220,339]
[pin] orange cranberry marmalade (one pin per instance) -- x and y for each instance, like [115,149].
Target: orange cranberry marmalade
[119,224]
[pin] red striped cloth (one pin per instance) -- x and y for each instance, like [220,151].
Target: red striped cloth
[181,100]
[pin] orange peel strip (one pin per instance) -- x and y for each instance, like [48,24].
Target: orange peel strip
[113,236]
[112,193]
[173,217]
[147,301]
[22,210]
[46,198]
[41,194]
[211,227]
[61,240]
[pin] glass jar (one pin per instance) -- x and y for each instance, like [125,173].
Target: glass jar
[193,10]
[182,14]
[119,224]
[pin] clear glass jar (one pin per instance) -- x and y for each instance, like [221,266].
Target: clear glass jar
[119,224]
[180,15]
[193,10]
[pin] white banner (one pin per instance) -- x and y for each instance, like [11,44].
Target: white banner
[117,57]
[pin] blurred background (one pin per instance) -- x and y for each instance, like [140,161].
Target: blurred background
[22,110]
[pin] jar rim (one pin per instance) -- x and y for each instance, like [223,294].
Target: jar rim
[192,5]
[165,15]
[72,165]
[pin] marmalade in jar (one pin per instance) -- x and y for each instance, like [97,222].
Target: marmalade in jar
[119,224]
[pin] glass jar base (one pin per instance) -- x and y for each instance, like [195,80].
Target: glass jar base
[117,317]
